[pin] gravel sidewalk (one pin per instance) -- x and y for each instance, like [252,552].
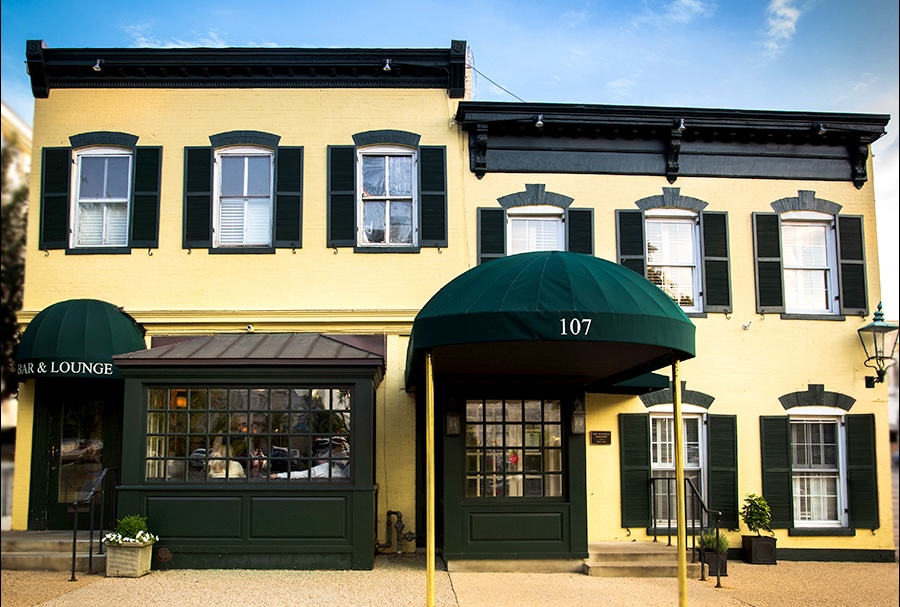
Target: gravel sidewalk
[400,582]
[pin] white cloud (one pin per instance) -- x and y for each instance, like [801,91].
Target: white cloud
[678,11]
[782,22]
[139,39]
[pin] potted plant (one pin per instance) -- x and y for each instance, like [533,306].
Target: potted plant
[129,548]
[758,549]
[715,552]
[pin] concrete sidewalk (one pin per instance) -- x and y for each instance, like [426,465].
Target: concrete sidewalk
[400,582]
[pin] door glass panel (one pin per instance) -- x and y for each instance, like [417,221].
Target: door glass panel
[81,450]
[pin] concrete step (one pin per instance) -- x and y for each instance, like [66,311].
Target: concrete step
[49,551]
[51,561]
[635,559]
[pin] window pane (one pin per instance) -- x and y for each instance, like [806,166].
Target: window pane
[116,224]
[90,224]
[806,290]
[117,177]
[93,170]
[232,175]
[534,234]
[373,176]
[373,222]
[258,222]
[258,176]
[401,223]
[400,175]
[805,245]
[677,282]
[670,243]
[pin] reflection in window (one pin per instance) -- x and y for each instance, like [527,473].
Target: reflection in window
[815,471]
[387,201]
[672,251]
[102,186]
[808,277]
[201,434]
[662,461]
[513,448]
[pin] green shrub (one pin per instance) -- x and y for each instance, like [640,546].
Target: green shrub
[708,541]
[756,513]
[131,525]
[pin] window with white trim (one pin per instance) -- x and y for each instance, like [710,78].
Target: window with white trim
[102,196]
[386,204]
[817,472]
[662,462]
[243,197]
[534,228]
[810,274]
[673,251]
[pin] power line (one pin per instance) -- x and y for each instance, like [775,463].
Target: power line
[472,67]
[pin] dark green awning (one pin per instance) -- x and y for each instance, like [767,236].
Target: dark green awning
[550,315]
[77,338]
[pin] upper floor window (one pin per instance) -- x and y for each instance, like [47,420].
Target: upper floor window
[535,228]
[673,243]
[809,263]
[102,192]
[810,259]
[243,213]
[101,195]
[387,205]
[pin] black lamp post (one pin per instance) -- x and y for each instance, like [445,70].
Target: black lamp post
[873,337]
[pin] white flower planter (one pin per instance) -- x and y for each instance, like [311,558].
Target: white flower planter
[128,560]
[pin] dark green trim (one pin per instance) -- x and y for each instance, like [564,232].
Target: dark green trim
[630,240]
[386,249]
[251,138]
[341,228]
[145,197]
[387,137]
[815,395]
[99,251]
[836,554]
[433,196]
[288,198]
[852,265]
[716,272]
[775,443]
[862,471]
[491,234]
[838,317]
[112,138]
[241,250]
[767,255]
[722,488]
[666,397]
[54,211]
[580,231]
[634,459]
[822,531]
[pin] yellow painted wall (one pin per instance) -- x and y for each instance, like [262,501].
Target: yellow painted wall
[320,289]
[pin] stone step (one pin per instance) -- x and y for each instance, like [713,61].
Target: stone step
[49,551]
[51,561]
[638,569]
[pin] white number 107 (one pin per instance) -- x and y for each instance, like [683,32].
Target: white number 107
[574,326]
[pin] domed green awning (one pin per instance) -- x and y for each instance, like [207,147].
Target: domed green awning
[77,338]
[550,315]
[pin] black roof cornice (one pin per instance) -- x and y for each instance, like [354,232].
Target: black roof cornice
[245,68]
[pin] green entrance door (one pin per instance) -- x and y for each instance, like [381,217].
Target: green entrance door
[80,437]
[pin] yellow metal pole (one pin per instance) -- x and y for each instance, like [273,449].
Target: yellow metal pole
[429,482]
[681,531]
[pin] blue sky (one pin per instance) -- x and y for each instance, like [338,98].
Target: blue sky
[805,55]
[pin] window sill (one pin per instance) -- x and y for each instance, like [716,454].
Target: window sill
[99,251]
[812,317]
[822,531]
[241,250]
[359,249]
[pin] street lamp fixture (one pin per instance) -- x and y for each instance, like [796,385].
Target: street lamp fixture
[874,336]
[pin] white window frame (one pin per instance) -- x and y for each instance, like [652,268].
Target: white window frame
[681,217]
[77,200]
[826,415]
[245,152]
[362,196]
[811,219]
[690,414]
[530,216]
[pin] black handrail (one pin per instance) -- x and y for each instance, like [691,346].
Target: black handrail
[86,504]
[700,508]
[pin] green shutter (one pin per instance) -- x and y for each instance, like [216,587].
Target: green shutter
[145,199]
[288,197]
[862,473]
[723,489]
[716,264]
[580,231]
[630,240]
[433,196]
[491,234]
[341,196]
[767,250]
[634,452]
[852,265]
[775,438]
[55,180]
[198,164]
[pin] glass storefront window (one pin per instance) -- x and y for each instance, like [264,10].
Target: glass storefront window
[513,448]
[245,434]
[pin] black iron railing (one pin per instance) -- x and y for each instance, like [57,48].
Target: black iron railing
[697,515]
[86,504]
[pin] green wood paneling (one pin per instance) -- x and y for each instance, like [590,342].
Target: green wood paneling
[775,434]
[634,452]
[862,472]
[723,488]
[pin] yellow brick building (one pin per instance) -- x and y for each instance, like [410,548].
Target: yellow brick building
[254,274]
